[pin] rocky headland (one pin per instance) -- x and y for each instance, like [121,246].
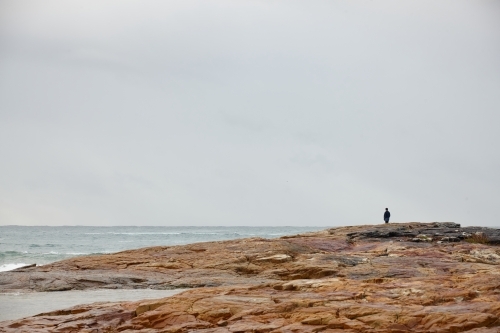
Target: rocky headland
[406,277]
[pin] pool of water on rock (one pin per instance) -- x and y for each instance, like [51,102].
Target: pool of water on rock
[20,305]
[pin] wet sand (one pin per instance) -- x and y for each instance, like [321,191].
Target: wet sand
[20,305]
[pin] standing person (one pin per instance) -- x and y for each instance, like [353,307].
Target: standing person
[387,215]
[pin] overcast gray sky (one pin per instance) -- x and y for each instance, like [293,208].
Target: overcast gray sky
[305,113]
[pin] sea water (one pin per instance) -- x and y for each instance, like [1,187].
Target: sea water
[40,245]
[20,246]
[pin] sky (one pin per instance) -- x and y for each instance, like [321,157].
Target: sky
[255,113]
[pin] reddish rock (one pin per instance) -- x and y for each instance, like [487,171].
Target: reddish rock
[352,279]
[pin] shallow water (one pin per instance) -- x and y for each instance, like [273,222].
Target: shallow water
[20,305]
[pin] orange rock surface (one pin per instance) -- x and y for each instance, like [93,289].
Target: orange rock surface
[411,277]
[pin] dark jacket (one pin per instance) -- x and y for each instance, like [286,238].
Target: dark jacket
[387,214]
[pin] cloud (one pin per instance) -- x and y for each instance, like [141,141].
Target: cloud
[249,112]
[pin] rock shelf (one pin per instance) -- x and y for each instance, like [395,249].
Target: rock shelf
[405,277]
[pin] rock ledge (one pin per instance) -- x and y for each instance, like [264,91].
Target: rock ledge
[407,277]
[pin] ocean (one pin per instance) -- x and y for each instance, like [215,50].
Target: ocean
[25,245]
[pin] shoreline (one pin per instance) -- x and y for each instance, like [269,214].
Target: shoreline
[418,277]
[46,245]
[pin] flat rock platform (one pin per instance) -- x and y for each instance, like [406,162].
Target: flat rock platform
[404,277]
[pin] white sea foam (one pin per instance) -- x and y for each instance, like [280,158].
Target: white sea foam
[9,267]
[145,233]
[135,233]
[67,253]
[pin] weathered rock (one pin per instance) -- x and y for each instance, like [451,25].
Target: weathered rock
[352,279]
[450,239]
